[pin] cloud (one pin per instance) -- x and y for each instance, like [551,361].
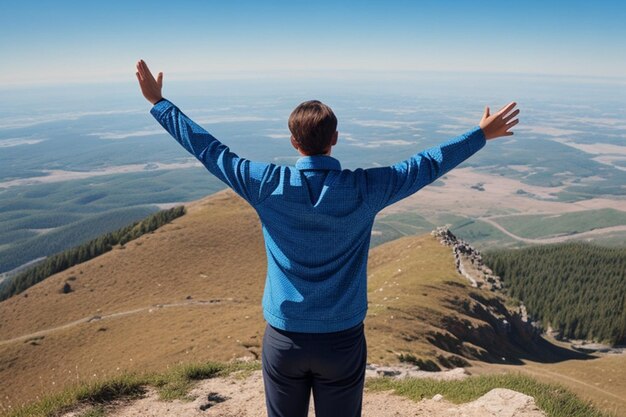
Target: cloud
[231,119]
[547,130]
[347,136]
[452,129]
[467,120]
[389,124]
[400,110]
[379,143]
[27,121]
[8,143]
[124,135]
[278,135]
[59,175]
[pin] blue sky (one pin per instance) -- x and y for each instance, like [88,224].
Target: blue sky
[69,41]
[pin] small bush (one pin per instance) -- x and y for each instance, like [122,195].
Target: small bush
[424,365]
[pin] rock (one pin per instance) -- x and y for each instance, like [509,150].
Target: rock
[438,397]
[400,371]
[388,371]
[504,402]
[67,288]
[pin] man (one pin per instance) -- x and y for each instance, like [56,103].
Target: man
[316,220]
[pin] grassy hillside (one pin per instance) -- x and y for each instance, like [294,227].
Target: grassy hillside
[86,251]
[191,291]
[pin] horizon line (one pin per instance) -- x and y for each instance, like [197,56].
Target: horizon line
[338,74]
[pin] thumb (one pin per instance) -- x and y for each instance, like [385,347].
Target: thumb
[486,114]
[160,79]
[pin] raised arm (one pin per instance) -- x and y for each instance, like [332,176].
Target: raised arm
[246,178]
[387,185]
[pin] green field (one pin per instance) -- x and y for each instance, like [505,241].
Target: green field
[539,226]
[480,234]
[394,226]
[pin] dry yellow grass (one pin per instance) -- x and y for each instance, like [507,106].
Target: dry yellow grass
[601,380]
[213,253]
[143,319]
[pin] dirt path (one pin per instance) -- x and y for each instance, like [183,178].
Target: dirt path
[556,239]
[41,333]
[560,376]
[234,396]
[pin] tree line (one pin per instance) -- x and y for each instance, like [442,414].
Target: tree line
[577,288]
[86,251]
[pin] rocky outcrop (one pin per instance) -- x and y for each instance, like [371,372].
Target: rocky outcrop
[468,261]
[508,331]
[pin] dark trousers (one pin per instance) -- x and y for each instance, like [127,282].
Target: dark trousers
[330,364]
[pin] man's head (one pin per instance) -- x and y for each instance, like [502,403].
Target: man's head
[313,127]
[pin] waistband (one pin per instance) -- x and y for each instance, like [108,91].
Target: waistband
[352,331]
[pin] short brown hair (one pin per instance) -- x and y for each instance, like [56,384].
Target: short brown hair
[313,125]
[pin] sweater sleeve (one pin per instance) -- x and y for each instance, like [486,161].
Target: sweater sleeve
[245,177]
[387,185]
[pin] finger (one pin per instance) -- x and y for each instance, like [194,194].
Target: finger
[511,124]
[139,77]
[147,70]
[141,70]
[507,108]
[160,79]
[510,116]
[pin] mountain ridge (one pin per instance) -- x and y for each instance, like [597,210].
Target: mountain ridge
[192,289]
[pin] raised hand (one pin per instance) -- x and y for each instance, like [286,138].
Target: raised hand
[498,124]
[150,88]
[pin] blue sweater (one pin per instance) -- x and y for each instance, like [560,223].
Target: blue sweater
[316,219]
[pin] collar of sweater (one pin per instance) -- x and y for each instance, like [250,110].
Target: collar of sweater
[318,162]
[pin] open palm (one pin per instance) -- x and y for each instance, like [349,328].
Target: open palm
[498,124]
[150,88]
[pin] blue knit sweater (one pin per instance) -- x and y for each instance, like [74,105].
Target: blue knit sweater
[316,219]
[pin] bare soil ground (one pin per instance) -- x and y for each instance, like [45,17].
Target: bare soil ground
[236,397]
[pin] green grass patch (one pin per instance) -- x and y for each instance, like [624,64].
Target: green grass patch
[554,399]
[537,226]
[97,411]
[171,385]
[481,234]
[394,226]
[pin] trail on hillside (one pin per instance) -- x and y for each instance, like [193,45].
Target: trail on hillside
[556,239]
[559,376]
[95,317]
[234,396]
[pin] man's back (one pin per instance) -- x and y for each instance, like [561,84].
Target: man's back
[316,219]
[317,227]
